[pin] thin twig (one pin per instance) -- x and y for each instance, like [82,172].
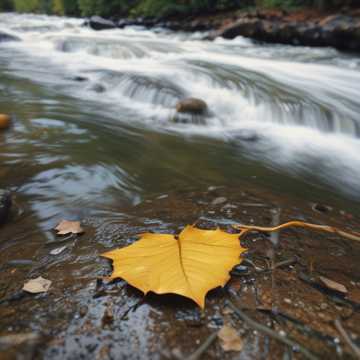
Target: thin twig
[203,347]
[347,338]
[280,264]
[330,229]
[287,262]
[267,331]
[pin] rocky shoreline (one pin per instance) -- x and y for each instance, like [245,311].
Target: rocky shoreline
[340,30]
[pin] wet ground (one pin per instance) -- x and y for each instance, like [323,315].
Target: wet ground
[83,316]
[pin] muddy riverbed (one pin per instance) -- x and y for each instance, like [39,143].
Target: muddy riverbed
[83,316]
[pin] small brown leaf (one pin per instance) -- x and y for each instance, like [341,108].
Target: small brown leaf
[69,227]
[230,340]
[37,286]
[333,285]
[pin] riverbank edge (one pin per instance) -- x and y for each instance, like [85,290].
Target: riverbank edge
[305,27]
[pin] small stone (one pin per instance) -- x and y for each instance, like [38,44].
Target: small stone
[162,197]
[321,208]
[57,251]
[5,121]
[287,301]
[219,201]
[229,207]
[191,106]
[212,188]
[99,88]
[323,306]
[83,310]
[5,205]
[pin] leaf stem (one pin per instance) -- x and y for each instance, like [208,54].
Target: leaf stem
[325,228]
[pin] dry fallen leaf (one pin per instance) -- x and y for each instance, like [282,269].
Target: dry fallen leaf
[333,285]
[190,265]
[69,227]
[230,339]
[38,285]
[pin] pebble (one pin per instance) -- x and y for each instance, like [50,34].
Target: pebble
[212,188]
[218,201]
[229,207]
[5,205]
[162,197]
[5,121]
[57,251]
[83,310]
[287,301]
[323,306]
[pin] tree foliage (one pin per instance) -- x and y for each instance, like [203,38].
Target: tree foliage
[155,8]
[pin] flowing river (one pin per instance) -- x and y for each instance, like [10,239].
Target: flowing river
[95,115]
[96,137]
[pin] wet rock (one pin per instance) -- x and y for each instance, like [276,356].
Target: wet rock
[339,31]
[191,106]
[98,88]
[183,118]
[123,23]
[5,121]
[5,205]
[7,37]
[321,208]
[99,23]
[83,310]
[79,78]
[219,201]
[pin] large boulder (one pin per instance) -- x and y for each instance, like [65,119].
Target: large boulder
[99,23]
[5,205]
[339,31]
[7,37]
[243,27]
[191,106]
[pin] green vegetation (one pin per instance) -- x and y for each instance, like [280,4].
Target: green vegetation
[153,8]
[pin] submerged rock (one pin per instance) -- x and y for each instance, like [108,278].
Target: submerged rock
[186,118]
[7,37]
[5,121]
[191,106]
[99,23]
[99,88]
[79,78]
[5,205]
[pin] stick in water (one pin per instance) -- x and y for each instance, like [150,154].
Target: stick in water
[267,331]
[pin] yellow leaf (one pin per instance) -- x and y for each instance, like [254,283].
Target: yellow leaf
[190,265]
